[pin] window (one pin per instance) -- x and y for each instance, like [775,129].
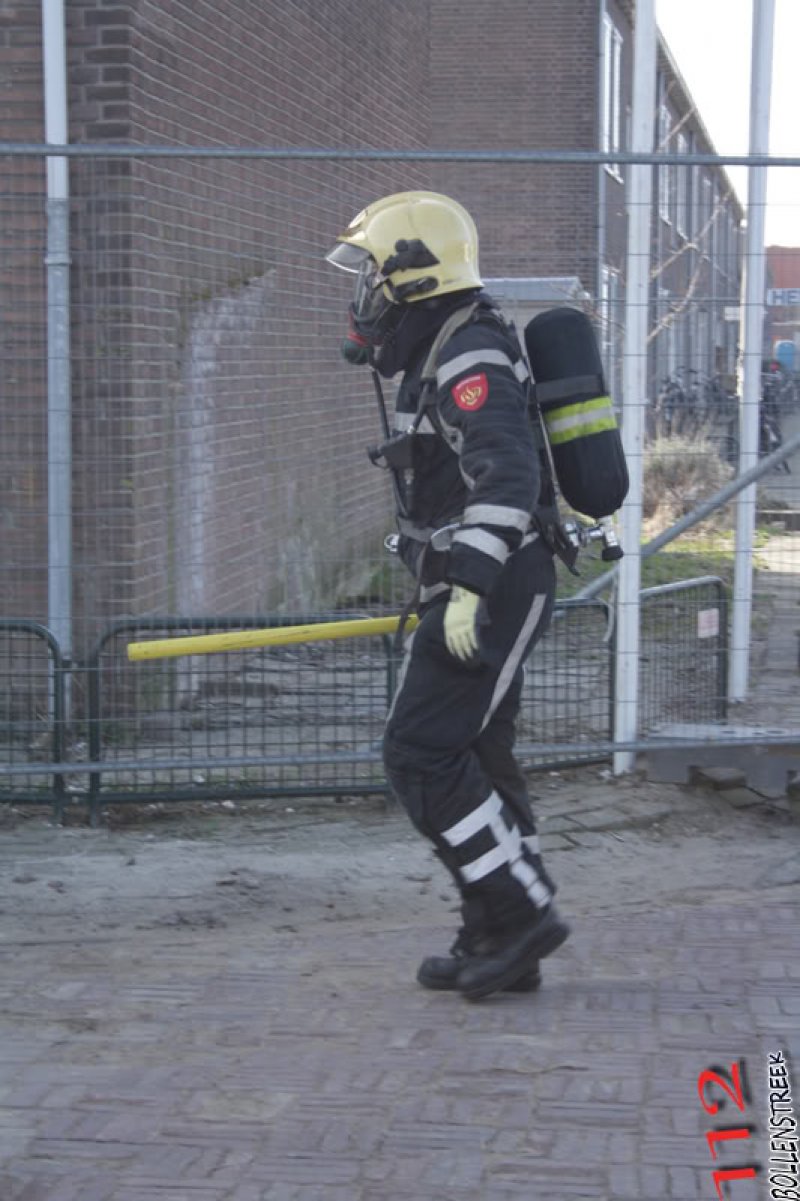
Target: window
[665,349]
[682,189]
[665,182]
[704,215]
[733,248]
[610,327]
[611,133]
[697,183]
[702,344]
[722,239]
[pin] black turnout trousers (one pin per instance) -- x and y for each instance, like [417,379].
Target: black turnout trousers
[448,748]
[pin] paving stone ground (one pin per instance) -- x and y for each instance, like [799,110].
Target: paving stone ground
[218,1006]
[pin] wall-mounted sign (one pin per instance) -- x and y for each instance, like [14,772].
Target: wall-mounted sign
[708,623]
[783,296]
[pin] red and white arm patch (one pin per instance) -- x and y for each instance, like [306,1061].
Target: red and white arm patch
[471,392]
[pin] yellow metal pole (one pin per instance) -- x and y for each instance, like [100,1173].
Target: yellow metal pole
[242,640]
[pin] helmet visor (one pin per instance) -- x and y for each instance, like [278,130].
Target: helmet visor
[369,301]
[347,257]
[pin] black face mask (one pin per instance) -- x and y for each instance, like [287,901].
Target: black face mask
[409,327]
[405,328]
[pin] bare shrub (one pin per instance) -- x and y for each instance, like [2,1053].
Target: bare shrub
[679,472]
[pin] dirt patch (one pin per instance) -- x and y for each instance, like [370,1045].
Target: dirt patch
[611,845]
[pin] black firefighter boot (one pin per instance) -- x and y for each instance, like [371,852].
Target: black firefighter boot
[511,957]
[441,972]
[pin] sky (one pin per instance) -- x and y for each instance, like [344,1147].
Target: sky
[710,40]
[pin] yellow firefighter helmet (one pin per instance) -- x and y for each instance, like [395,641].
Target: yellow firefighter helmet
[407,247]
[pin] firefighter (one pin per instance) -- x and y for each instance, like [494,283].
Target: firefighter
[468,480]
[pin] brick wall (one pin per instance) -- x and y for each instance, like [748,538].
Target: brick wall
[241,472]
[23,465]
[511,75]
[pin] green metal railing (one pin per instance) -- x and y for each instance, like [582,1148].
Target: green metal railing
[35,677]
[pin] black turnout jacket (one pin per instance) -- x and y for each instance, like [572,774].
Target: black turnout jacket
[475,466]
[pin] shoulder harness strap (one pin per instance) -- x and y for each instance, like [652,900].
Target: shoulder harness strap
[453,323]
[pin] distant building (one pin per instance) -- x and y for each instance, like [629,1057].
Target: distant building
[782,322]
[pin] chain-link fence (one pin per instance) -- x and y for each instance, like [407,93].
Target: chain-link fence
[218,472]
[218,467]
[181,437]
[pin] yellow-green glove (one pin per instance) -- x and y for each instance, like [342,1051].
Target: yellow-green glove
[460,623]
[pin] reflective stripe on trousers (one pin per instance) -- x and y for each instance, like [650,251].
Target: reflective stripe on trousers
[448,748]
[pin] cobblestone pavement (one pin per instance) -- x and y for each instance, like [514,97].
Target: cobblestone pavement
[223,1007]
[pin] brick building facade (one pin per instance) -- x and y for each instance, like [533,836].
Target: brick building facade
[218,441]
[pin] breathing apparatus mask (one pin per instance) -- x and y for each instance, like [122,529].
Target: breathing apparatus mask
[370,307]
